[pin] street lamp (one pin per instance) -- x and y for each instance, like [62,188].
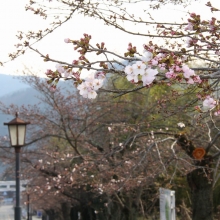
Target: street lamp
[28,206]
[29,216]
[17,131]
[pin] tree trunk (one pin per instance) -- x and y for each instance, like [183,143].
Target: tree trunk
[66,210]
[87,213]
[200,183]
[199,180]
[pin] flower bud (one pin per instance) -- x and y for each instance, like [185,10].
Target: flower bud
[67,40]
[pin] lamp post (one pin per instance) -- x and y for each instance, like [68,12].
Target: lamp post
[17,131]
[28,206]
[29,216]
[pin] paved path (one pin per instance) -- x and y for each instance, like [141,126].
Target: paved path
[7,213]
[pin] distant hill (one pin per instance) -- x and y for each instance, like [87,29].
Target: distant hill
[14,91]
[10,84]
[10,87]
[25,96]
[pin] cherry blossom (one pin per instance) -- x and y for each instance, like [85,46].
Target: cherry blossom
[209,103]
[181,124]
[217,113]
[162,67]
[212,24]
[189,27]
[190,76]
[190,81]
[178,69]
[147,56]
[187,72]
[132,77]
[60,68]
[170,74]
[189,42]
[67,40]
[90,85]
[128,70]
[154,62]
[99,75]
[149,76]
[197,79]
[139,68]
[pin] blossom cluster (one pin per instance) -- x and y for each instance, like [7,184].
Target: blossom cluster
[91,84]
[209,103]
[145,70]
[188,74]
[63,71]
[195,23]
[150,66]
[202,30]
[141,70]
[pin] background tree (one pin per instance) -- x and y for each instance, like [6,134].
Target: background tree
[94,158]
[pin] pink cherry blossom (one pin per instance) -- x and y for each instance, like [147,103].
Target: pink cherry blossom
[189,42]
[177,68]
[190,81]
[60,68]
[67,40]
[89,86]
[217,113]
[132,77]
[154,62]
[170,75]
[128,70]
[162,67]
[86,91]
[97,84]
[49,72]
[209,103]
[160,56]
[52,88]
[92,94]
[99,75]
[138,68]
[64,72]
[67,73]
[149,76]
[193,15]
[187,72]
[189,27]
[147,56]
[197,79]
[82,89]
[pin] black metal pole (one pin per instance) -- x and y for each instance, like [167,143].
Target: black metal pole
[28,206]
[17,179]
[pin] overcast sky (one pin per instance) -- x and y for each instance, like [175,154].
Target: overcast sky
[13,17]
